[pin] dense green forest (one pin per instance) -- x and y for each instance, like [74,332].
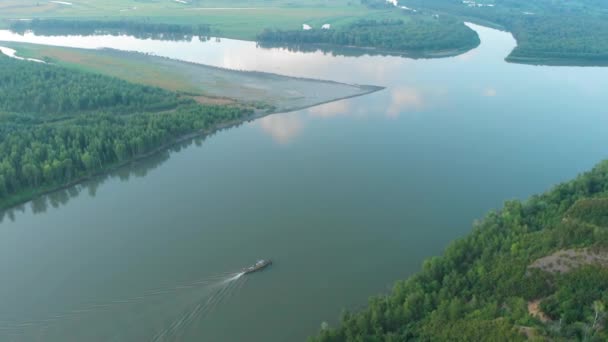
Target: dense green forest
[47,91]
[414,35]
[548,31]
[59,125]
[139,29]
[487,286]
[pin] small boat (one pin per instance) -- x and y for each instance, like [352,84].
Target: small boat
[259,265]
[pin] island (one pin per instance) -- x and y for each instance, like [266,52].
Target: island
[104,116]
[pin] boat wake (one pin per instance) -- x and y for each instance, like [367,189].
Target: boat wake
[170,312]
[236,277]
[227,289]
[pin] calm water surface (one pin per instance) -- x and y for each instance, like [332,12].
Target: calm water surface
[346,197]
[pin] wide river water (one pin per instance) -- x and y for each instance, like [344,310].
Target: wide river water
[346,197]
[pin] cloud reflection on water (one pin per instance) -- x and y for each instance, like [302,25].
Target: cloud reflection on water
[281,127]
[405,99]
[489,92]
[332,109]
[284,127]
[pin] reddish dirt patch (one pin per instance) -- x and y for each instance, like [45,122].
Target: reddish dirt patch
[535,311]
[213,100]
[529,332]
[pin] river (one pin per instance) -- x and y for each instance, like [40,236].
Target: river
[346,197]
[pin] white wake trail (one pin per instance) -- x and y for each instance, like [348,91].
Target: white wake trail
[236,276]
[183,321]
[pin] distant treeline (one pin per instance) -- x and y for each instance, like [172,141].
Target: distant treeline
[139,29]
[377,4]
[562,37]
[575,30]
[59,125]
[353,51]
[414,35]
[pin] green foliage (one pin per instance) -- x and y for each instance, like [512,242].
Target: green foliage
[37,153]
[569,36]
[466,330]
[46,90]
[574,30]
[479,289]
[576,294]
[415,35]
[377,4]
[139,29]
[590,210]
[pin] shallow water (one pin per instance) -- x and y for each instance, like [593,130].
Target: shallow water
[345,197]
[12,53]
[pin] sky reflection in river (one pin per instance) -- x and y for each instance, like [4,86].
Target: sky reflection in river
[335,193]
[405,99]
[282,128]
[328,110]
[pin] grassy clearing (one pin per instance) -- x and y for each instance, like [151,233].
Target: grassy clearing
[238,19]
[205,84]
[98,62]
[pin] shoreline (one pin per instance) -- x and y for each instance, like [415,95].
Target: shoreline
[24,199]
[370,50]
[187,86]
[557,61]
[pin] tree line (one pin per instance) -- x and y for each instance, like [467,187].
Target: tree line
[138,29]
[44,145]
[545,29]
[377,4]
[415,35]
[49,91]
[480,288]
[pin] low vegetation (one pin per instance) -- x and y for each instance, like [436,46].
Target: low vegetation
[265,92]
[239,19]
[493,284]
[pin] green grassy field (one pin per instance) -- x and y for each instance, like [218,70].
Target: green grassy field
[239,19]
[97,62]
[205,84]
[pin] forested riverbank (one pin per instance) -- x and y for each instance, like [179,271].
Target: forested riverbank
[415,36]
[535,269]
[52,136]
[106,116]
[547,32]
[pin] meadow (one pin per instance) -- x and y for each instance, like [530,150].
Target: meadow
[239,19]
[205,84]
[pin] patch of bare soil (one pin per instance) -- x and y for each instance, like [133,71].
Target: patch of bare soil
[213,100]
[535,311]
[566,260]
